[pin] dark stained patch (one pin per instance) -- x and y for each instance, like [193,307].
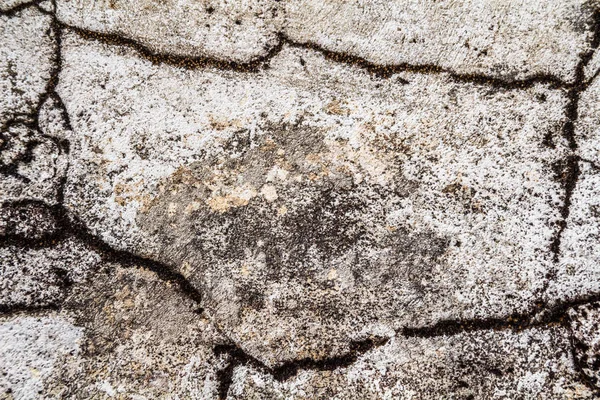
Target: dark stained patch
[322,223]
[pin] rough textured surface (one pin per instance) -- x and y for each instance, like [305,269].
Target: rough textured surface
[31,350]
[42,277]
[295,211]
[577,273]
[31,162]
[585,329]
[31,165]
[294,199]
[486,365]
[509,40]
[513,39]
[142,338]
[237,31]
[26,60]
[28,220]
[587,130]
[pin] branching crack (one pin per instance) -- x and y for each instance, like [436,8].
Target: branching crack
[70,226]
[568,170]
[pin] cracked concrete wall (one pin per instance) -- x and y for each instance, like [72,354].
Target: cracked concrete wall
[299,199]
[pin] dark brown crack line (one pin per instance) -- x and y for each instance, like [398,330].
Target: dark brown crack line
[568,170]
[262,62]
[11,12]
[32,121]
[19,309]
[110,39]
[542,315]
[288,370]
[71,227]
[592,164]
[387,71]
[590,382]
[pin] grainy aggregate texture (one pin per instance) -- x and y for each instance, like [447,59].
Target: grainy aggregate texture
[299,199]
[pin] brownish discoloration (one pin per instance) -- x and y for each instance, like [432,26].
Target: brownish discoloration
[141,332]
[292,225]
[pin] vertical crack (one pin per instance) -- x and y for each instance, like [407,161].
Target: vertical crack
[567,171]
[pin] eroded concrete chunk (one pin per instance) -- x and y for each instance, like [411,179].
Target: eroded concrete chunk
[236,31]
[533,364]
[42,277]
[141,338]
[312,203]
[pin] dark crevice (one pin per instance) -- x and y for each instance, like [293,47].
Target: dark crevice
[78,230]
[542,315]
[567,171]
[10,12]
[387,71]
[592,79]
[255,65]
[21,309]
[70,227]
[591,163]
[237,356]
[579,366]
[262,62]
[32,121]
[29,223]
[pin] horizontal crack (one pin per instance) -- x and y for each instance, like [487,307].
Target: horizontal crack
[261,63]
[289,369]
[174,60]
[10,12]
[542,315]
[27,310]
